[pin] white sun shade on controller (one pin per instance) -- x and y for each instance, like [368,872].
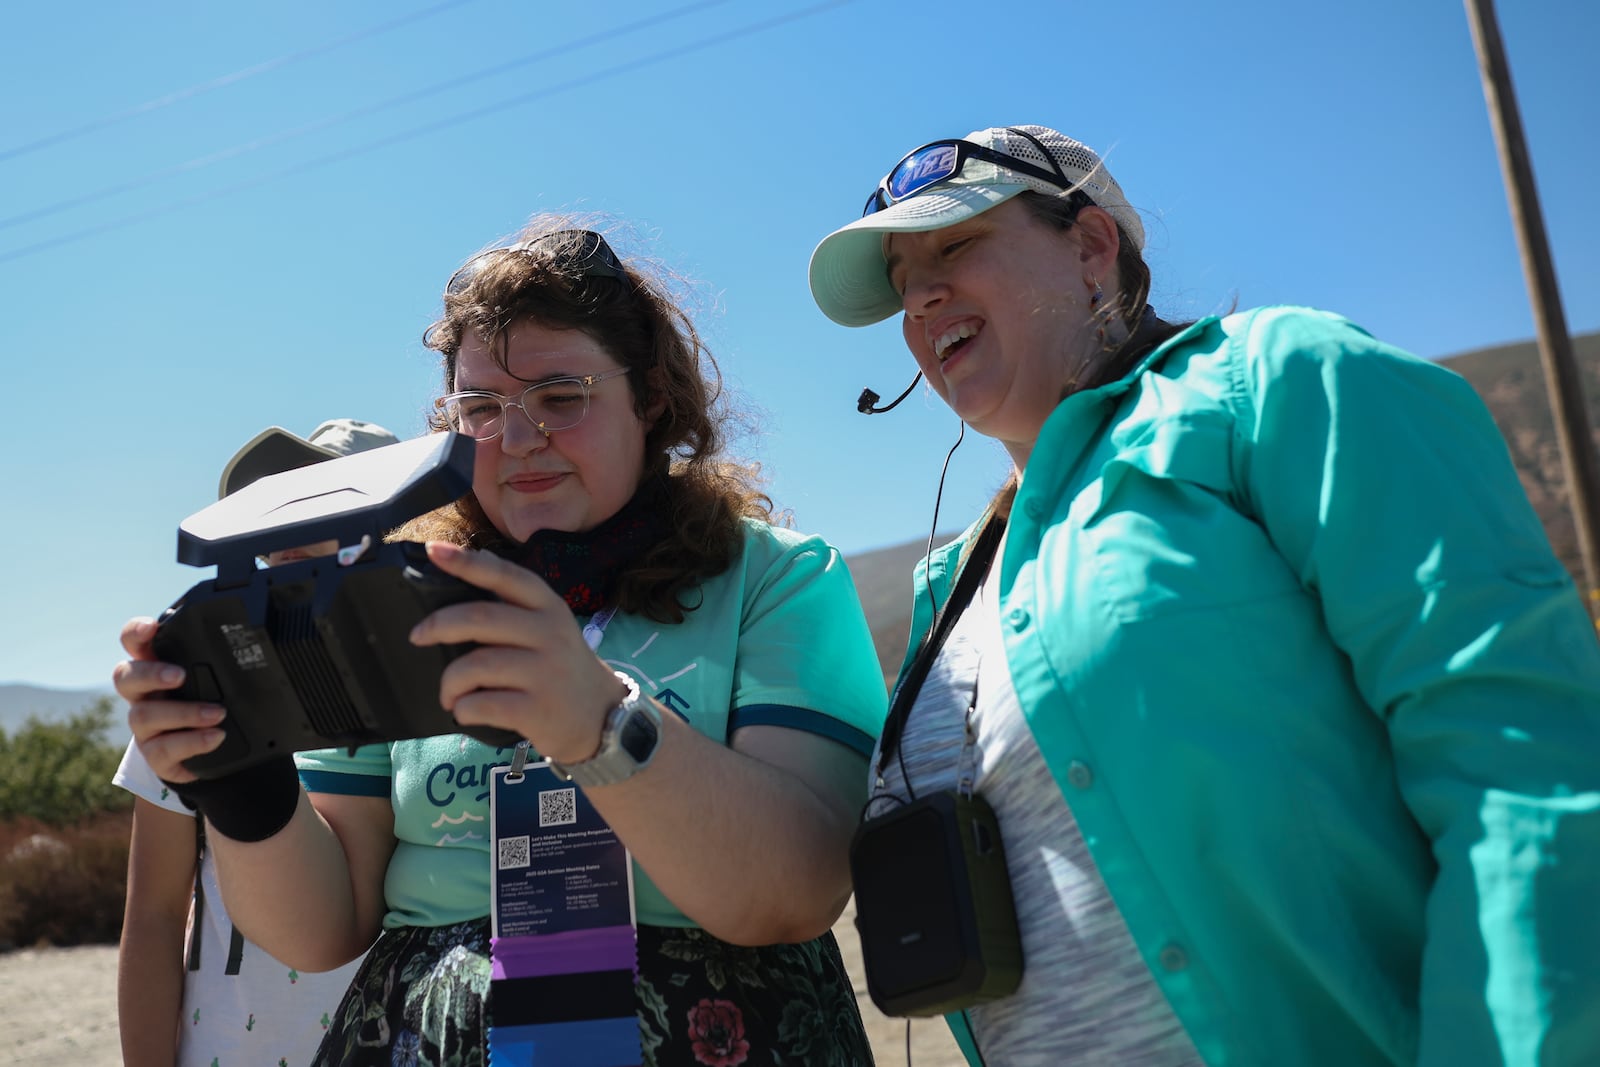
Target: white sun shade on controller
[346,499]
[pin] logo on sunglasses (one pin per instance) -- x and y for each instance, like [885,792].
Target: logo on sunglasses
[939,162]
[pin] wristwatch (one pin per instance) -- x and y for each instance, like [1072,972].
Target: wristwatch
[628,740]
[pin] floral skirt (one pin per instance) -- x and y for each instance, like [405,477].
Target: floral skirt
[422,997]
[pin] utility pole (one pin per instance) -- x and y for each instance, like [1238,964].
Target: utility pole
[1555,343]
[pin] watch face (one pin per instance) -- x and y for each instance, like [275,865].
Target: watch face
[639,736]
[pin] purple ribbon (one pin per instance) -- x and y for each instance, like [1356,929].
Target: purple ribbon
[609,948]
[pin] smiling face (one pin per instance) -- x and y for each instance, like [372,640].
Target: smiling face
[998,314]
[573,479]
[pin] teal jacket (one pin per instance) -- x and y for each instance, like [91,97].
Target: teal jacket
[1325,705]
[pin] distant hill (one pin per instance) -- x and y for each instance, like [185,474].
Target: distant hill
[19,703]
[883,580]
[1508,377]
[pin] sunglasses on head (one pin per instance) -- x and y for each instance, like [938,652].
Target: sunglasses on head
[939,161]
[583,253]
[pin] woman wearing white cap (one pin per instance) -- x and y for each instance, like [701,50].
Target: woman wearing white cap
[1288,716]
[191,990]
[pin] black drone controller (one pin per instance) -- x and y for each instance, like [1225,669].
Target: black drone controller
[315,654]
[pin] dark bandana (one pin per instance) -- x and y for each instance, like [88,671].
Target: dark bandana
[583,567]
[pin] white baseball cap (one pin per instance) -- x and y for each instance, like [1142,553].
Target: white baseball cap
[275,450]
[941,184]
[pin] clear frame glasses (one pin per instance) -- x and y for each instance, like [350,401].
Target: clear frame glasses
[557,404]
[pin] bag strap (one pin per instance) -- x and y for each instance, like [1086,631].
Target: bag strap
[972,572]
[197,913]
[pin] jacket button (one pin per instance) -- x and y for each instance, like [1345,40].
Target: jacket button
[1079,776]
[1173,958]
[1017,618]
[1034,509]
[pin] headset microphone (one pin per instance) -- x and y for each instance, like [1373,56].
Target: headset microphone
[865,402]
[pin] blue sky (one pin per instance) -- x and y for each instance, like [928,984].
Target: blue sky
[217,217]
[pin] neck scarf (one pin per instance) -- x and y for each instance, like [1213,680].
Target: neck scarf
[583,566]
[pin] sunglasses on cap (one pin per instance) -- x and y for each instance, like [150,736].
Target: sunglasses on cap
[583,253]
[939,161]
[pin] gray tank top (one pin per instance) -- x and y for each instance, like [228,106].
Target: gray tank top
[1086,996]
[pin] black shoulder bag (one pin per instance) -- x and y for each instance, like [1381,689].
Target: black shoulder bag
[934,908]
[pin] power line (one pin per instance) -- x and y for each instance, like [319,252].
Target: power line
[247,147]
[419,131]
[226,80]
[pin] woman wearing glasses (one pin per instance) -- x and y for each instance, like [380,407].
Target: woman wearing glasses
[707,678]
[1288,716]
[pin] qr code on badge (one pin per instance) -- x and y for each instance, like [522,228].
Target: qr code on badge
[558,807]
[513,852]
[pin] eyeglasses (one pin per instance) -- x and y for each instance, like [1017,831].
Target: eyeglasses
[580,252]
[938,161]
[557,404]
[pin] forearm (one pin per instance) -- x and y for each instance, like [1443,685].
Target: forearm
[745,849]
[749,840]
[150,965]
[150,989]
[294,893]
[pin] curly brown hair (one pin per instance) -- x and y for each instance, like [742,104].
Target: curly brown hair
[539,278]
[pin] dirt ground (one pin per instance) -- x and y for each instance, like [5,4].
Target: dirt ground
[58,1008]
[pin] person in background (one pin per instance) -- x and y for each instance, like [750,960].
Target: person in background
[1288,714]
[644,591]
[191,991]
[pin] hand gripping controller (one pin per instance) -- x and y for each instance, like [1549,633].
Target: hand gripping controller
[315,655]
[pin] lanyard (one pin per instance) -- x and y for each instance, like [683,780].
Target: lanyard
[594,631]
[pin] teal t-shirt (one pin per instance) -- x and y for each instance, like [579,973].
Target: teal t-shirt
[779,639]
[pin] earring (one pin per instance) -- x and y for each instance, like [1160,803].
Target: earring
[1095,300]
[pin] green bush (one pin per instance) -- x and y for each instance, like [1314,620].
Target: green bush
[63,832]
[63,886]
[60,772]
